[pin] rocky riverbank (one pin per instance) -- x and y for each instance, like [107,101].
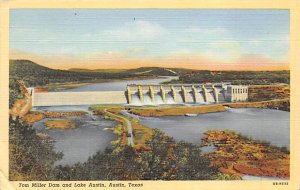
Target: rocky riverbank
[22,105]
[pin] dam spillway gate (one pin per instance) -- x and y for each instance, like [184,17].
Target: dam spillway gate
[185,94]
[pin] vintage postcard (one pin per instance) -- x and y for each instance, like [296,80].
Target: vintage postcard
[146,95]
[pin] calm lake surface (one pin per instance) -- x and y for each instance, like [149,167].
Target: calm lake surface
[260,124]
[117,86]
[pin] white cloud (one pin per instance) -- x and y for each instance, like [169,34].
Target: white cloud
[283,40]
[138,30]
[212,31]
[226,51]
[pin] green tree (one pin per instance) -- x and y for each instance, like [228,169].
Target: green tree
[30,158]
[168,160]
[221,176]
[14,92]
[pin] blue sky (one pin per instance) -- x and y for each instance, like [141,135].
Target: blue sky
[221,36]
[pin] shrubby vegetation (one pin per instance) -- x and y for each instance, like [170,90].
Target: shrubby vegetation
[30,157]
[14,91]
[237,155]
[236,77]
[259,93]
[165,160]
[222,176]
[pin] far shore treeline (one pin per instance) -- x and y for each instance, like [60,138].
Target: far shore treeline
[34,74]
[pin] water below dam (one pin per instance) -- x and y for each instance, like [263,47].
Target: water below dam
[260,124]
[78,144]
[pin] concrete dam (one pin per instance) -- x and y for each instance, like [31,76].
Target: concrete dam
[146,95]
[185,94]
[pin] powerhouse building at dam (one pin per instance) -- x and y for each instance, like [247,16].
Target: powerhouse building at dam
[136,94]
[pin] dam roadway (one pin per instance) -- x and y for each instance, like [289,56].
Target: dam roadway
[78,98]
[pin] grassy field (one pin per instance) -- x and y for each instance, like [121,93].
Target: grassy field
[176,110]
[141,134]
[32,117]
[60,124]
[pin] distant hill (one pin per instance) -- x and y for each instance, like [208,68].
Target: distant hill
[145,71]
[34,74]
[97,70]
[159,71]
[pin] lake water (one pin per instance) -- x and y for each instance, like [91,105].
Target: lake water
[78,144]
[250,177]
[260,124]
[118,85]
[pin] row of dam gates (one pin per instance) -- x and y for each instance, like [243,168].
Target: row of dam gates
[146,95]
[186,93]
